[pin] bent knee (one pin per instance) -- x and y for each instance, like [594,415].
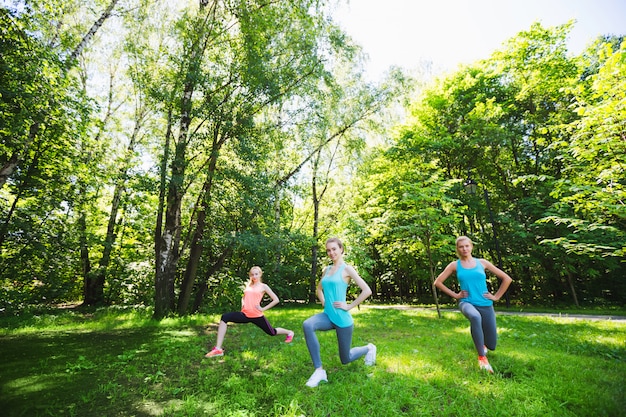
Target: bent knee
[308,325]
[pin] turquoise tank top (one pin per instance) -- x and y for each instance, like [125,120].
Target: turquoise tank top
[474,281]
[335,289]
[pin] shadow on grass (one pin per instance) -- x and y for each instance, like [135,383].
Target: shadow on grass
[84,372]
[426,366]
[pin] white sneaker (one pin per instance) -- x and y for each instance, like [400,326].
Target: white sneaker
[318,376]
[370,356]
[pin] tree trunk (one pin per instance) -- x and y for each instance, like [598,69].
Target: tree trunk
[313,278]
[570,282]
[16,158]
[169,241]
[191,270]
[158,228]
[94,293]
[314,249]
[203,286]
[431,269]
[279,249]
[5,227]
[317,196]
[197,247]
[88,296]
[110,237]
[94,28]
[9,167]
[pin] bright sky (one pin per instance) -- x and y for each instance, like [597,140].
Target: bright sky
[450,32]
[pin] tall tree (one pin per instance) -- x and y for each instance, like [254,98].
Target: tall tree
[48,127]
[272,52]
[589,214]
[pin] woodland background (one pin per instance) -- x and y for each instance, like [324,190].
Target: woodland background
[153,151]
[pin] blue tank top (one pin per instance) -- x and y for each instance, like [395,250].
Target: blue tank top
[474,281]
[335,288]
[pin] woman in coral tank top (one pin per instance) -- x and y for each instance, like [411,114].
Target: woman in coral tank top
[251,312]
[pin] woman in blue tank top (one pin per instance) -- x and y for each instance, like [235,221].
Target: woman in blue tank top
[331,291]
[475,300]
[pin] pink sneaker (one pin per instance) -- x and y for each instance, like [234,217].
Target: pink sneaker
[214,352]
[289,338]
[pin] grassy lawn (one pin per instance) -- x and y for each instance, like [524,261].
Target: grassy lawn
[115,362]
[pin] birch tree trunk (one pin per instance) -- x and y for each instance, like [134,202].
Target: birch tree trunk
[94,286]
[197,247]
[168,243]
[16,158]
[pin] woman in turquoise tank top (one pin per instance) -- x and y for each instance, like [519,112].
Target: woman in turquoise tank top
[331,291]
[475,301]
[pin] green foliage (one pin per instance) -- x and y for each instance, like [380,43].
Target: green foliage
[594,188]
[255,116]
[43,114]
[549,174]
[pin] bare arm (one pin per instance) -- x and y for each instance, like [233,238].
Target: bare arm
[445,274]
[503,276]
[366,291]
[272,295]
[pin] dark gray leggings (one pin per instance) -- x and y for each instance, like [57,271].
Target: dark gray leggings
[482,326]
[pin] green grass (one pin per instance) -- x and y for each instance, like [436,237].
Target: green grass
[120,363]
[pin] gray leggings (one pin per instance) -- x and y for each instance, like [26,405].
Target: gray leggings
[482,326]
[344,339]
